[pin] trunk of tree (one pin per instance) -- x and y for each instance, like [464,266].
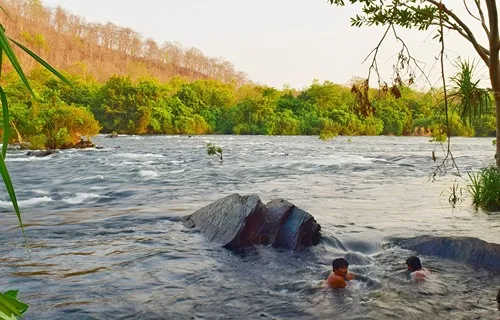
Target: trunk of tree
[494,42]
[495,83]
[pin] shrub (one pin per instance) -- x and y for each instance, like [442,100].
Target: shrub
[214,150]
[485,188]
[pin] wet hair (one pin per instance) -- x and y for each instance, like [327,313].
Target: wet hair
[339,263]
[414,263]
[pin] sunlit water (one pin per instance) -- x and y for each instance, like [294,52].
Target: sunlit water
[105,240]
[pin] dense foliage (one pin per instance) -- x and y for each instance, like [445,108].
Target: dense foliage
[64,114]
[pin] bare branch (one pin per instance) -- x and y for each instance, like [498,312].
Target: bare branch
[404,58]
[466,29]
[481,14]
[375,50]
[455,27]
[410,58]
[470,13]
[449,154]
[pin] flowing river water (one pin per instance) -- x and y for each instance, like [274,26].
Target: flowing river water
[106,242]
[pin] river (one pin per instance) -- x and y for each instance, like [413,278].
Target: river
[105,241]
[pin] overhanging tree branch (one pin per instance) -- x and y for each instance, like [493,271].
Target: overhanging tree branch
[375,50]
[460,31]
[484,56]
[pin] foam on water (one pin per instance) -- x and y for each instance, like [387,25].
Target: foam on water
[80,198]
[26,203]
[148,174]
[141,155]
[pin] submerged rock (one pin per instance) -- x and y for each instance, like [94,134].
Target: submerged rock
[41,153]
[238,222]
[112,135]
[473,251]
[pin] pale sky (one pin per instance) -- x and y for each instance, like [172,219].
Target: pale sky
[275,42]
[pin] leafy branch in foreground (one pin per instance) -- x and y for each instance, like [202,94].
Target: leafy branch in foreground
[214,150]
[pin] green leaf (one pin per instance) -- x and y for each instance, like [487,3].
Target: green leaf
[42,62]
[12,194]
[6,133]
[1,60]
[4,316]
[4,44]
[12,293]
[10,306]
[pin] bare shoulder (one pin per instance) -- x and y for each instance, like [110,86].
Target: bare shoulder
[420,275]
[335,281]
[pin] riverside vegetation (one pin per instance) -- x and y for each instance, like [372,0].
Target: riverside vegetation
[63,114]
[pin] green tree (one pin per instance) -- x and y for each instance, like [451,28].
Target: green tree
[421,14]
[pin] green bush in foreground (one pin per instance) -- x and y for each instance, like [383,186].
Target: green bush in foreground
[485,188]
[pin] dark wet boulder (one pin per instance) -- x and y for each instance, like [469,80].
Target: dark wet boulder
[233,221]
[295,228]
[40,153]
[238,222]
[278,211]
[473,251]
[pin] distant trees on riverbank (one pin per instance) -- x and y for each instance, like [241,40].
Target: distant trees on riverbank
[181,106]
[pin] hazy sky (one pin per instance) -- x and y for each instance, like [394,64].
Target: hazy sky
[276,42]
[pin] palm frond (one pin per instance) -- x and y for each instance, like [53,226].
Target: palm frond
[471,101]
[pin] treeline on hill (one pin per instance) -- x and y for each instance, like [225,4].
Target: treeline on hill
[62,114]
[70,43]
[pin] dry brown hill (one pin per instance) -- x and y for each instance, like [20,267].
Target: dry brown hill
[70,43]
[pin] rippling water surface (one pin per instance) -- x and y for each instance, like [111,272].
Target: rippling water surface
[105,240]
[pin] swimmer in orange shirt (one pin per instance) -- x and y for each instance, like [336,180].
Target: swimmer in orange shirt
[340,275]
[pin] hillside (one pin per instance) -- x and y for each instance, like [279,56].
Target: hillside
[70,43]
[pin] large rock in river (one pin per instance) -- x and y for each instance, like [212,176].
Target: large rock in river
[238,222]
[473,251]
